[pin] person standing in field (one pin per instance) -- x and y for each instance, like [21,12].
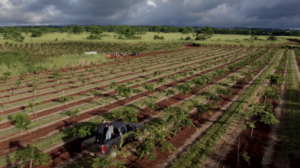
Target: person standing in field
[109,132]
[100,132]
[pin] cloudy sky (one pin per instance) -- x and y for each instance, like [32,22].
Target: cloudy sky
[216,13]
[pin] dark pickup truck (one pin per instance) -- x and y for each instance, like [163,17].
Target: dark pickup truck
[90,147]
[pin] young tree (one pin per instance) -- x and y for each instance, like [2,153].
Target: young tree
[33,156]
[125,91]
[127,114]
[57,75]
[22,121]
[258,112]
[149,87]
[150,103]
[5,76]
[73,113]
[158,136]
[84,129]
[186,88]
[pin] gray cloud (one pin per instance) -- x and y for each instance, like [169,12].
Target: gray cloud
[218,13]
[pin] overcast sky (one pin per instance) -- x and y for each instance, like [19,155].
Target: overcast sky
[215,13]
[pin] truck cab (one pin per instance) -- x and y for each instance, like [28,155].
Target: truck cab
[90,147]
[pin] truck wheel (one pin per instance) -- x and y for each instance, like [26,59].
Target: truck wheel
[113,152]
[140,139]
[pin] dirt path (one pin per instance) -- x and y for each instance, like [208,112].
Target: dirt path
[272,150]
[295,161]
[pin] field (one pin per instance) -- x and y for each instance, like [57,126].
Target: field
[218,105]
[148,37]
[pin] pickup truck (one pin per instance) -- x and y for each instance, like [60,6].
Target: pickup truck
[91,148]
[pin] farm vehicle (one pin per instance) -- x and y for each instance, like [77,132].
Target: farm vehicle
[91,148]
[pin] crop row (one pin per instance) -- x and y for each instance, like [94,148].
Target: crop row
[197,152]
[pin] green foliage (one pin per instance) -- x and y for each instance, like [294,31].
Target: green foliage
[272,38]
[157,37]
[204,33]
[225,91]
[259,112]
[12,34]
[113,85]
[156,73]
[84,129]
[169,92]
[21,120]
[157,138]
[149,87]
[32,155]
[178,118]
[185,88]
[127,114]
[65,99]
[272,93]
[5,76]
[36,33]
[246,158]
[201,108]
[276,79]
[199,82]
[125,91]
[160,80]
[73,113]
[78,29]
[57,75]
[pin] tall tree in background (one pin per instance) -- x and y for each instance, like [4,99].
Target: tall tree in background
[204,33]
[78,29]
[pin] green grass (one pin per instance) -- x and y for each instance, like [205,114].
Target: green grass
[292,114]
[148,37]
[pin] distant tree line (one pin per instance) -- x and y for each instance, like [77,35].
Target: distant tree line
[132,32]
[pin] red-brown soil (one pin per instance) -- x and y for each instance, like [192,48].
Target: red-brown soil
[79,93]
[59,125]
[164,103]
[47,112]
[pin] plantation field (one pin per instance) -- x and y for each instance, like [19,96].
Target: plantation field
[206,106]
[148,37]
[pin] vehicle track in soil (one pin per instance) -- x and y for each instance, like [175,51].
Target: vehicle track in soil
[48,112]
[214,68]
[12,110]
[147,112]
